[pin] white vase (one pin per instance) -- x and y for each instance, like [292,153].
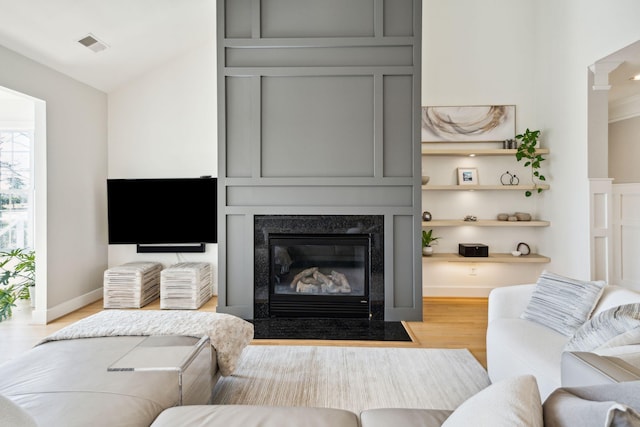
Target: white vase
[427,250]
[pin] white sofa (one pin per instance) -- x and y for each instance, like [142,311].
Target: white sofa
[512,402]
[516,346]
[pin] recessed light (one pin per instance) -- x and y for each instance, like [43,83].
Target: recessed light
[635,78]
[472,155]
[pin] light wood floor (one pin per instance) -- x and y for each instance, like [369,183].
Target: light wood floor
[447,323]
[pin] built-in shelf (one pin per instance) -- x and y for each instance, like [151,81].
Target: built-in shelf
[496,257]
[482,223]
[430,187]
[470,151]
[475,152]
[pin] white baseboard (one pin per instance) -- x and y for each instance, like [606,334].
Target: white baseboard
[42,317]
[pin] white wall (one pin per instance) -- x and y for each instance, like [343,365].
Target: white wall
[71,228]
[478,53]
[571,36]
[534,54]
[474,52]
[624,150]
[163,125]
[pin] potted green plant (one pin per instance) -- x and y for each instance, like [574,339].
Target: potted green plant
[427,239]
[527,150]
[17,278]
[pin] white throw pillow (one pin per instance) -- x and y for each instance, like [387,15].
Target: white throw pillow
[561,303]
[507,403]
[615,327]
[12,415]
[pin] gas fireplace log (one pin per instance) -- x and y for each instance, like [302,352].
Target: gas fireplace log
[303,273]
[322,278]
[307,288]
[311,280]
[341,279]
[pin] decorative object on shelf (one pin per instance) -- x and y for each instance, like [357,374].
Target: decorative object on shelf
[467,176]
[471,218]
[523,216]
[523,248]
[509,179]
[509,144]
[427,240]
[518,216]
[473,250]
[426,216]
[527,151]
[425,179]
[516,253]
[479,123]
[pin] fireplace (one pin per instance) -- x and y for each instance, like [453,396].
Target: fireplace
[324,275]
[319,266]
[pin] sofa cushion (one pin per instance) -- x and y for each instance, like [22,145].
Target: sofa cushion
[614,327]
[511,402]
[404,417]
[13,415]
[561,303]
[592,406]
[254,415]
[66,383]
[520,347]
[613,296]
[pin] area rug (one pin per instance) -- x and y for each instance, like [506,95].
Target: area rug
[352,378]
[329,329]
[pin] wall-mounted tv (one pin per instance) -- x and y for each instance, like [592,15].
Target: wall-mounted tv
[165,211]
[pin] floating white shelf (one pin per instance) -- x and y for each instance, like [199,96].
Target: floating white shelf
[496,257]
[479,152]
[430,187]
[482,223]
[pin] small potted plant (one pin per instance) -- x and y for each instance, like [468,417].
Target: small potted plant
[427,240]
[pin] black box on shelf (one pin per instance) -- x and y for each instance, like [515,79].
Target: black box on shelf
[473,250]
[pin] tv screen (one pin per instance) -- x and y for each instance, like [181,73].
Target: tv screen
[162,211]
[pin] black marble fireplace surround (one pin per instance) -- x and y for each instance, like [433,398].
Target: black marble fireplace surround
[266,225]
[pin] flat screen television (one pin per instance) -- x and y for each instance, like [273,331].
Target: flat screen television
[162,211]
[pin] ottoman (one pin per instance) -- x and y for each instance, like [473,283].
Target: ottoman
[132,285]
[185,285]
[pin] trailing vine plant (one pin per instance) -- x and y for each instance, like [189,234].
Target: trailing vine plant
[527,151]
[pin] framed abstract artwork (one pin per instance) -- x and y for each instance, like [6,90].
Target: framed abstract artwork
[486,123]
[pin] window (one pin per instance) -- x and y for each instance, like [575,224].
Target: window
[16,189]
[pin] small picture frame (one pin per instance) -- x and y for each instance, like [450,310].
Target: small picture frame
[467,176]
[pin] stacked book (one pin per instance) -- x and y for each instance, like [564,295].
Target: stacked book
[132,285]
[185,285]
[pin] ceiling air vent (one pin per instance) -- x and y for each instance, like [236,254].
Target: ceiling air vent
[91,42]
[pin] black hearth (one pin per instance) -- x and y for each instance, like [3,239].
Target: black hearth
[319,266]
[325,275]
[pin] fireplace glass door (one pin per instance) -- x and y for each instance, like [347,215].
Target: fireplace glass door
[319,275]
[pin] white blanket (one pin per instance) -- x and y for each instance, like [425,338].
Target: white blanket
[229,334]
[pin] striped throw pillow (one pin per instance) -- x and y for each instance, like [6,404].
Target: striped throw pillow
[561,303]
[611,328]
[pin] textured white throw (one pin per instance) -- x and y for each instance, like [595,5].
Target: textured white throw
[229,334]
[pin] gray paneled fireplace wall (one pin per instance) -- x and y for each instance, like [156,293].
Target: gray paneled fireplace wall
[319,119]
